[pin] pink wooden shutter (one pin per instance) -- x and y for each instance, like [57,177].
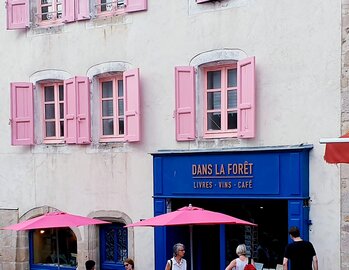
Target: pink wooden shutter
[82,85]
[202,1]
[70,125]
[22,114]
[17,14]
[132,106]
[136,5]
[82,10]
[246,98]
[68,10]
[185,103]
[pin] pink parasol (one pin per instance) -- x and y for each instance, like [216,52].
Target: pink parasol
[54,220]
[190,215]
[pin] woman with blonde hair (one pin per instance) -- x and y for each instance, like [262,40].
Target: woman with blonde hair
[240,262]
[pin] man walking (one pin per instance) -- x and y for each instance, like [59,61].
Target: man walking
[301,253]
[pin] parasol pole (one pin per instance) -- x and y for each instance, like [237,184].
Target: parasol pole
[57,249]
[191,247]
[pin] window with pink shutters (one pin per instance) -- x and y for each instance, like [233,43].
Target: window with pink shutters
[50,11]
[119,97]
[53,112]
[46,12]
[220,119]
[112,101]
[229,100]
[61,11]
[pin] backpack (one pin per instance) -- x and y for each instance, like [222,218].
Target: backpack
[249,265]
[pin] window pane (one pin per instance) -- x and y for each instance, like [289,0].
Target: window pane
[45,247]
[107,108]
[121,126]
[106,5]
[110,245]
[49,93]
[61,110]
[48,11]
[121,3]
[232,99]
[120,88]
[121,107]
[214,79]
[107,89]
[46,2]
[44,15]
[61,127]
[232,120]
[213,100]
[50,129]
[49,111]
[121,243]
[59,11]
[214,121]
[108,127]
[61,93]
[232,78]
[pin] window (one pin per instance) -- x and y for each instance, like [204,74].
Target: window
[53,108]
[228,101]
[118,115]
[112,108]
[220,101]
[51,12]
[52,249]
[110,6]
[64,111]
[113,246]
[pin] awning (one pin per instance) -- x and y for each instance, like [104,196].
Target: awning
[337,150]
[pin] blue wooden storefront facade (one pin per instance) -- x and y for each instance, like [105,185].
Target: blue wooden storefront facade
[246,173]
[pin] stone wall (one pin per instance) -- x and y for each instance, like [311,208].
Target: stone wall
[344,129]
[8,239]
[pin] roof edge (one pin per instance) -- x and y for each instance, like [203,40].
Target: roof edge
[237,149]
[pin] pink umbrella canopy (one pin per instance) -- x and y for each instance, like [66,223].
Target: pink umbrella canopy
[54,220]
[190,215]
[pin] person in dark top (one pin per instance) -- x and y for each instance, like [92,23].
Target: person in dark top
[301,253]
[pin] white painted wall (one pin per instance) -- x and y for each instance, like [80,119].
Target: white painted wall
[297,47]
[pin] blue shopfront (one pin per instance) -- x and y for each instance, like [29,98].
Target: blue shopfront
[268,186]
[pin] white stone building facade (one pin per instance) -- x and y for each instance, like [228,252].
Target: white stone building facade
[109,175]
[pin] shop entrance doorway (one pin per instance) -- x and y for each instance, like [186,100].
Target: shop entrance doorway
[266,242]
